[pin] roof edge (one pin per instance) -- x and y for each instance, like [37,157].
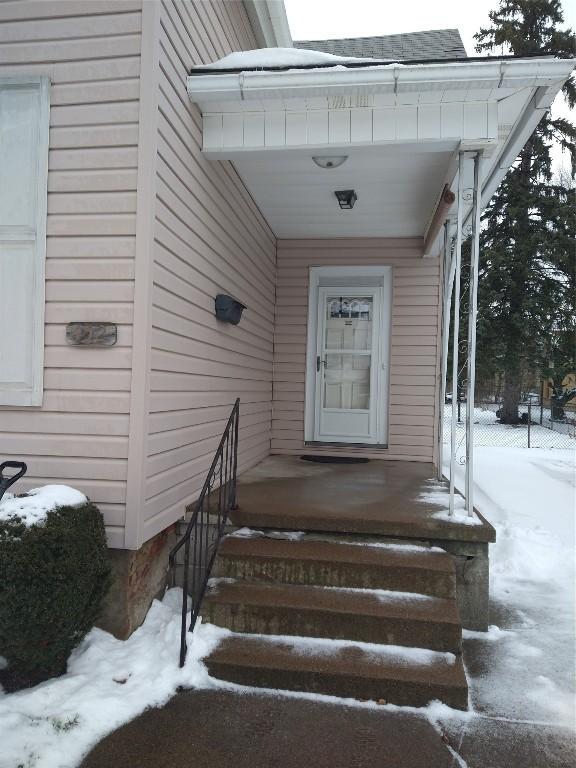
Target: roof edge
[368,64]
[371,37]
[219,85]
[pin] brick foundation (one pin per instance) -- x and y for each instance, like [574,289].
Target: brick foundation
[139,576]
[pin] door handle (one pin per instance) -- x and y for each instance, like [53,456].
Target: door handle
[319,362]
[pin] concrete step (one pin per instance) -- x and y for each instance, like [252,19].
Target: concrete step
[406,677]
[392,618]
[322,563]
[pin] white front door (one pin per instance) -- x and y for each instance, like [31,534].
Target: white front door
[348,364]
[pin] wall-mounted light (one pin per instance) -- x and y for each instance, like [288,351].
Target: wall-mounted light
[346,198]
[330,161]
[228,309]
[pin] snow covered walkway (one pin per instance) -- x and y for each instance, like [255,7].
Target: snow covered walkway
[524,669]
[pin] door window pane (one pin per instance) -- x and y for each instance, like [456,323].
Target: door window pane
[348,322]
[347,382]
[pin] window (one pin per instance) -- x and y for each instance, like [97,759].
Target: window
[24,118]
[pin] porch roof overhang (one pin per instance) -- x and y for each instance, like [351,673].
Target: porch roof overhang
[401,126]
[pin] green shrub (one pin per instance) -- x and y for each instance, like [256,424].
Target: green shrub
[53,578]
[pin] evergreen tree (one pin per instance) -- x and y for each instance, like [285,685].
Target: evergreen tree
[526,278]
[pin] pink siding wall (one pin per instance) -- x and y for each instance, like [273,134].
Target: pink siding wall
[414,342]
[135,426]
[91,52]
[209,238]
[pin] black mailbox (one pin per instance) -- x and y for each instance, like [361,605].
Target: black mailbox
[228,309]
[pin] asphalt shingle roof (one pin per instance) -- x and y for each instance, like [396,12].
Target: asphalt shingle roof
[434,44]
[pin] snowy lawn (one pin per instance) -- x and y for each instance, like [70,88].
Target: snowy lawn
[108,683]
[524,669]
[489,432]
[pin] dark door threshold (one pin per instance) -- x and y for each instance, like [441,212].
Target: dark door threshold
[325,459]
[322,444]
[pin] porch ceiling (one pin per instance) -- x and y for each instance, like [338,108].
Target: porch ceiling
[401,126]
[397,189]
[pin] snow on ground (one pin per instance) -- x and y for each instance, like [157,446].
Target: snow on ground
[108,683]
[524,668]
[460,517]
[254,533]
[32,508]
[319,646]
[521,671]
[438,494]
[493,633]
[489,432]
[529,497]
[385,595]
[406,548]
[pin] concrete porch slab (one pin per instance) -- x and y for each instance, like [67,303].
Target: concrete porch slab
[379,498]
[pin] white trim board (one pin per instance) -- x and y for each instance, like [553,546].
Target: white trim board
[251,130]
[269,23]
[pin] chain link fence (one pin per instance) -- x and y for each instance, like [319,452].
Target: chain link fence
[537,428]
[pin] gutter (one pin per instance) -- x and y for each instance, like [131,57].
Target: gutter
[534,111]
[357,63]
[387,78]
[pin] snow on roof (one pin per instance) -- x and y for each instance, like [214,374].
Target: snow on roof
[263,58]
[32,508]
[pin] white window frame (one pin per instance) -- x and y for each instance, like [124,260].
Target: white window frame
[33,394]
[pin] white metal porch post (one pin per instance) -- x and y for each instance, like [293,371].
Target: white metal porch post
[456,330]
[472,313]
[446,306]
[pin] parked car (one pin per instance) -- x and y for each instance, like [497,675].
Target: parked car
[531,397]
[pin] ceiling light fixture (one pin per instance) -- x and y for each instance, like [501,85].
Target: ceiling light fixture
[346,198]
[330,161]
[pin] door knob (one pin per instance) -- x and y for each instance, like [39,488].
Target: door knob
[319,362]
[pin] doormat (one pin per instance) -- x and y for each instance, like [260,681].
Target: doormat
[335,459]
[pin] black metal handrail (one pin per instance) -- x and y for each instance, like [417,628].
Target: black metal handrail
[207,524]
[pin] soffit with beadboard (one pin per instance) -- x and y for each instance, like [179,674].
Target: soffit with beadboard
[400,127]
